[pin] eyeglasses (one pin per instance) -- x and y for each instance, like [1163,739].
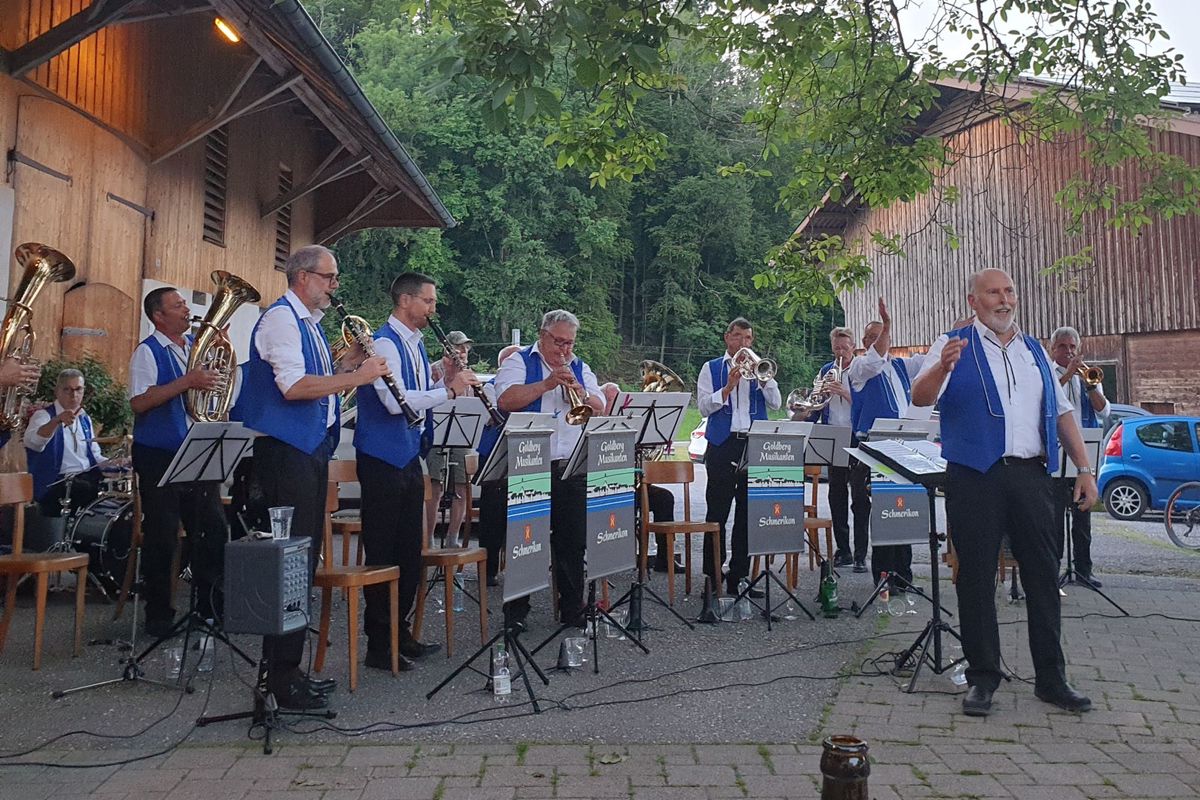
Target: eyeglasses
[330,277]
[563,343]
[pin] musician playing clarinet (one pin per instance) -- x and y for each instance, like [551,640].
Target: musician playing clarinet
[388,450]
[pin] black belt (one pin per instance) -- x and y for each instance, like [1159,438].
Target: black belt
[1013,461]
[740,434]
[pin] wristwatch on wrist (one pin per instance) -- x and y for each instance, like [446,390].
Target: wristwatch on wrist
[1085,471]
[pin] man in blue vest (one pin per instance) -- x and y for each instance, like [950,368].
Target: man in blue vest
[1091,410]
[730,403]
[61,450]
[388,452]
[1003,417]
[291,399]
[158,382]
[538,379]
[881,384]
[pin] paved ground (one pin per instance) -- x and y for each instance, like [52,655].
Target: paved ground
[726,712]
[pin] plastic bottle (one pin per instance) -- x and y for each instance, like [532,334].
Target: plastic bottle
[501,677]
[458,593]
[745,609]
[885,596]
[206,645]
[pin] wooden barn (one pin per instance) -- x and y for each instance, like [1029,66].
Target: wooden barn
[1137,305]
[154,141]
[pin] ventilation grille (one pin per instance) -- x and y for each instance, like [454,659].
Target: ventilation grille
[216,183]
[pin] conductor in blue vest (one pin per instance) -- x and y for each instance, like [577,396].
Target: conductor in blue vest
[538,378]
[730,402]
[1091,410]
[388,453]
[290,397]
[1004,416]
[158,382]
[880,383]
[61,448]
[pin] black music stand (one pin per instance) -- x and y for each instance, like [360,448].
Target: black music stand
[1066,471]
[656,417]
[495,468]
[919,465]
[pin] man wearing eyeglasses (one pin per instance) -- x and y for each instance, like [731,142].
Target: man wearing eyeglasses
[539,379]
[290,397]
[1004,416]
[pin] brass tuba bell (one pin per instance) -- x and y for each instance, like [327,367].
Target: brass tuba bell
[42,265]
[213,350]
[658,377]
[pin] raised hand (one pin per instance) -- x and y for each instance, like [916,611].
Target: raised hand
[952,352]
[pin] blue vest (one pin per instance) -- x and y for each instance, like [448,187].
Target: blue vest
[384,435]
[721,421]
[487,439]
[163,426]
[46,466]
[533,374]
[972,417]
[299,423]
[876,399]
[1086,412]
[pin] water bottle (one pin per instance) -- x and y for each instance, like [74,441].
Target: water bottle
[501,677]
[958,675]
[458,594]
[206,646]
[745,610]
[885,596]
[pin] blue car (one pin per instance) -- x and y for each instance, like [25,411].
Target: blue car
[1145,459]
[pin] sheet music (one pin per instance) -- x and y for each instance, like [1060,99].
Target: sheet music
[906,456]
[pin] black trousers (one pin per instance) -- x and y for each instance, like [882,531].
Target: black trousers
[895,559]
[85,487]
[662,509]
[198,507]
[291,477]
[393,514]
[1014,499]
[849,489]
[493,522]
[1081,527]
[725,484]
[568,544]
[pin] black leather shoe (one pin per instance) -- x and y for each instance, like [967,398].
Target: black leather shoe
[493,580]
[383,660]
[757,594]
[516,625]
[297,697]
[978,702]
[322,685]
[158,628]
[1064,697]
[411,648]
[842,560]
[860,566]
[1090,580]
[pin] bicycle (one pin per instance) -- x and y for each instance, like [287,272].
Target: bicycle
[1182,516]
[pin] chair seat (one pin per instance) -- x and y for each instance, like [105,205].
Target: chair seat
[817,523]
[682,527]
[42,562]
[355,576]
[452,556]
[346,519]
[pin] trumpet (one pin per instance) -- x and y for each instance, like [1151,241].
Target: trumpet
[580,411]
[753,366]
[1092,376]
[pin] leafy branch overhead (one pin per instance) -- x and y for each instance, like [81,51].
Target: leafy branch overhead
[839,87]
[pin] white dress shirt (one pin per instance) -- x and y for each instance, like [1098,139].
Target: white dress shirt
[278,341]
[839,408]
[865,367]
[143,369]
[565,437]
[1077,395]
[74,456]
[1018,382]
[710,399]
[423,397]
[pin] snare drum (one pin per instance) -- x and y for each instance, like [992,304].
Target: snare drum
[104,530]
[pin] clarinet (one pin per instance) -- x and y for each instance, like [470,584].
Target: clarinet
[356,328]
[494,414]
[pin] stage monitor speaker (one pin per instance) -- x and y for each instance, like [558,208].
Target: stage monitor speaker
[266,586]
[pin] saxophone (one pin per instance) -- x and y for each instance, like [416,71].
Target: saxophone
[213,350]
[42,264]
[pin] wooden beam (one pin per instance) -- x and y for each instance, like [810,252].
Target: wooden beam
[207,126]
[366,206]
[327,172]
[65,35]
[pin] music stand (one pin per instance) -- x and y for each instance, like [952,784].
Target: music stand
[1066,471]
[517,584]
[916,463]
[657,417]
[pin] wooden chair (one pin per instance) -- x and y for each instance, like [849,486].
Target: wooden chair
[352,579]
[658,473]
[346,523]
[813,525]
[16,489]
[450,561]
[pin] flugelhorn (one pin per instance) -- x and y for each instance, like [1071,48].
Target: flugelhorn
[753,366]
[356,330]
[580,412]
[42,265]
[212,349]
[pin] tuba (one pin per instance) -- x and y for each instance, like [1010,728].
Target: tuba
[212,349]
[657,377]
[42,264]
[753,366]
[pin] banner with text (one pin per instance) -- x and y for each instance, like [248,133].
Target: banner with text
[612,535]
[527,542]
[775,488]
[899,514]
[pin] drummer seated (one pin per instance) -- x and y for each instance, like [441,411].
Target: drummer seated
[61,449]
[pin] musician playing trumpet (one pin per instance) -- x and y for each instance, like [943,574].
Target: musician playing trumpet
[730,402]
[1091,410]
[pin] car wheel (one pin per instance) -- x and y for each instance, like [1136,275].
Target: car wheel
[1125,499]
